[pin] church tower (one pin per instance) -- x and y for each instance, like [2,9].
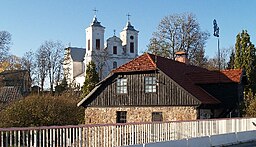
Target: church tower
[94,37]
[116,52]
[94,41]
[129,37]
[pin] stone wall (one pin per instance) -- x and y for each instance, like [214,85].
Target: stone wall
[103,115]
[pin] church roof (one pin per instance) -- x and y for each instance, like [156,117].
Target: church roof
[77,54]
[129,27]
[95,22]
[114,38]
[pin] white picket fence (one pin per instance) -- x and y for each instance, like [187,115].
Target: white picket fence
[110,135]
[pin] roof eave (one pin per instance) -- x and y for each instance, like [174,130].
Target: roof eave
[98,85]
[133,71]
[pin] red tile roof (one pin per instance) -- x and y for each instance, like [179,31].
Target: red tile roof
[187,76]
[142,63]
[233,74]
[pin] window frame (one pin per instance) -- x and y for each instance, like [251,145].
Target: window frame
[89,44]
[121,116]
[98,44]
[115,50]
[131,47]
[150,84]
[154,115]
[121,86]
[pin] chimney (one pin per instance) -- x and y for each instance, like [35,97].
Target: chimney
[181,56]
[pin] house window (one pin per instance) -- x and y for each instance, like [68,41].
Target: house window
[114,64]
[121,116]
[157,116]
[150,84]
[122,86]
[89,44]
[131,47]
[114,49]
[97,44]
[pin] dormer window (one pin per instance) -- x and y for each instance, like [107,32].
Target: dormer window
[150,84]
[121,86]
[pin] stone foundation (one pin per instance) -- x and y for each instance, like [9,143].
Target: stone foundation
[107,115]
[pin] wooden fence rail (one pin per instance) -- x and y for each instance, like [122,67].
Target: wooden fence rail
[110,135]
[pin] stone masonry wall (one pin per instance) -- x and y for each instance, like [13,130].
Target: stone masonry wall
[104,115]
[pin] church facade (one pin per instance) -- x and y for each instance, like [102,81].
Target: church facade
[107,55]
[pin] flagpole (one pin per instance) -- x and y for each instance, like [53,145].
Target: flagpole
[216,34]
[219,53]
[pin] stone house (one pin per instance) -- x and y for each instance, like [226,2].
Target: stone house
[154,88]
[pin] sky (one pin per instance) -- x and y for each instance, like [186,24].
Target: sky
[31,22]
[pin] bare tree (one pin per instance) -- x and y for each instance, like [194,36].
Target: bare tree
[41,66]
[5,42]
[54,59]
[213,63]
[14,62]
[28,63]
[179,32]
[101,60]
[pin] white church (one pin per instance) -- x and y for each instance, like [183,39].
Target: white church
[107,55]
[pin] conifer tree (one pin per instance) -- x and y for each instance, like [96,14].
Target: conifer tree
[231,63]
[245,57]
[62,87]
[238,52]
[91,79]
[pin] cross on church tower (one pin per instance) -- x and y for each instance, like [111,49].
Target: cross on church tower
[114,32]
[95,11]
[128,17]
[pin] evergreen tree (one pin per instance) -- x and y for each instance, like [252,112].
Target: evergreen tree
[62,87]
[91,79]
[238,52]
[245,58]
[231,63]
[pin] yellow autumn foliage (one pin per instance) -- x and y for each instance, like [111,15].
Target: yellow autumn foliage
[4,65]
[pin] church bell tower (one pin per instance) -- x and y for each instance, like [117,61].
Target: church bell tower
[94,41]
[129,37]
